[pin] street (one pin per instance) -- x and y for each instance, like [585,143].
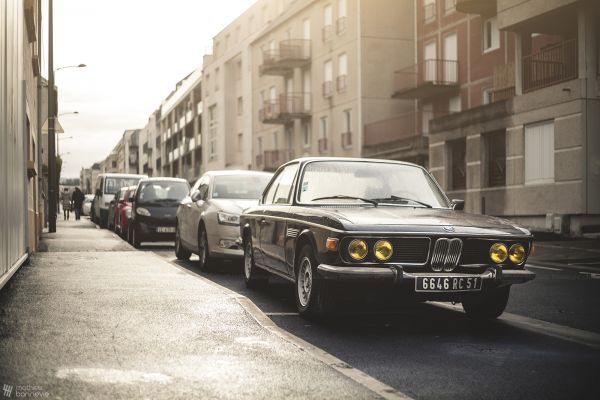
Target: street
[97,318]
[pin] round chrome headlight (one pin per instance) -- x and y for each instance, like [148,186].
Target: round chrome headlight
[383,250]
[358,249]
[516,253]
[498,253]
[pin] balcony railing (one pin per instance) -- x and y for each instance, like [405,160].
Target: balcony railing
[291,53]
[481,7]
[431,77]
[274,158]
[327,89]
[550,66]
[347,140]
[327,33]
[341,83]
[340,25]
[504,82]
[285,108]
[429,12]
[402,127]
[323,145]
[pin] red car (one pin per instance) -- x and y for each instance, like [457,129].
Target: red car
[123,211]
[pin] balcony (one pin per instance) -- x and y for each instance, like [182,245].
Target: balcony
[427,79]
[347,140]
[274,158]
[481,7]
[327,88]
[286,108]
[327,33]
[341,83]
[429,12]
[292,53]
[323,145]
[504,82]
[550,66]
[340,25]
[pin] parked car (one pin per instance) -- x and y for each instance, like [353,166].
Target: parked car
[87,204]
[208,219]
[153,211]
[105,188]
[112,206]
[359,222]
[123,211]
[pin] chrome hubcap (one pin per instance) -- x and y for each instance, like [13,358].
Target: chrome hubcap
[248,260]
[304,282]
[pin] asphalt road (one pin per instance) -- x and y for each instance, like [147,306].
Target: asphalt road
[431,352]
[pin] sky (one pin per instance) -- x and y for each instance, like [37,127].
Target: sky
[135,52]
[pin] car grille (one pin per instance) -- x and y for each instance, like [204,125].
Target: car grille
[446,254]
[407,250]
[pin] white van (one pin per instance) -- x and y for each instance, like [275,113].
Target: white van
[106,187]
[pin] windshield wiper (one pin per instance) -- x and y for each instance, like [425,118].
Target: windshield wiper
[405,199]
[341,196]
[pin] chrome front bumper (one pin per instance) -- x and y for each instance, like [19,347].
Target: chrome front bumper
[396,275]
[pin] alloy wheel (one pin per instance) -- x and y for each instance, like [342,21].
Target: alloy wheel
[305,281]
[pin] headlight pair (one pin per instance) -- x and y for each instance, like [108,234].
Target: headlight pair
[358,249]
[499,252]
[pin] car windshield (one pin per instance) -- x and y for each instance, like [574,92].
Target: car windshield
[369,182]
[162,192]
[239,186]
[113,184]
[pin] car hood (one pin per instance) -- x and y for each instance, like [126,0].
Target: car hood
[445,221]
[233,206]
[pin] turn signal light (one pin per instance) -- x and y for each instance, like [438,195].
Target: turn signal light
[358,249]
[498,253]
[332,244]
[516,254]
[383,250]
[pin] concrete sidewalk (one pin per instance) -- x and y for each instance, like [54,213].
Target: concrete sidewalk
[93,318]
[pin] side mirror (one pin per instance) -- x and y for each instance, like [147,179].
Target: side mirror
[458,204]
[196,196]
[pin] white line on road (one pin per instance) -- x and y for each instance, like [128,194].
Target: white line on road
[586,338]
[540,267]
[281,314]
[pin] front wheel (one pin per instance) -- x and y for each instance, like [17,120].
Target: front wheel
[312,298]
[134,237]
[487,305]
[253,276]
[204,260]
[180,252]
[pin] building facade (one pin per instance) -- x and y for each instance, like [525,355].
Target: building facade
[21,221]
[523,141]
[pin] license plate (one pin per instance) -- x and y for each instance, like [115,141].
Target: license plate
[165,229]
[448,284]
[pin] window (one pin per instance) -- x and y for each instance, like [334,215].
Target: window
[343,64]
[458,173]
[426,115]
[327,15]
[306,29]
[488,95]
[347,120]
[496,158]
[324,126]
[240,105]
[539,153]
[341,8]
[429,10]
[328,71]
[275,141]
[280,190]
[216,79]
[207,85]
[306,134]
[259,146]
[238,70]
[240,142]
[449,6]
[491,35]
[212,133]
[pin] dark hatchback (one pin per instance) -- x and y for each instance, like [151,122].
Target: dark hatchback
[154,209]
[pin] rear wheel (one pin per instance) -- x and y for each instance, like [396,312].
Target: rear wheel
[204,260]
[253,276]
[180,252]
[311,295]
[133,237]
[487,305]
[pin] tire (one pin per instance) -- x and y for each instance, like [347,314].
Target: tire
[254,277]
[180,252]
[312,298]
[488,305]
[204,260]
[135,238]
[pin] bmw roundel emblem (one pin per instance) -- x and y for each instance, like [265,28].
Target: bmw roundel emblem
[449,228]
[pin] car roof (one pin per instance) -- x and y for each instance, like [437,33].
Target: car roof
[236,172]
[163,179]
[374,160]
[116,175]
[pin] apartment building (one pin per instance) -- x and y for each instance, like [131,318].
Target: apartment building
[511,92]
[150,146]
[87,178]
[321,71]
[180,130]
[20,133]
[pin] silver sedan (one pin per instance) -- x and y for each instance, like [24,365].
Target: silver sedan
[208,218]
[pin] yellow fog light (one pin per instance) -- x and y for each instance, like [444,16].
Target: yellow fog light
[517,253]
[383,250]
[498,253]
[358,249]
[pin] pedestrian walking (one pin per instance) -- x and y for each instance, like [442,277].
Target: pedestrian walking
[78,199]
[65,201]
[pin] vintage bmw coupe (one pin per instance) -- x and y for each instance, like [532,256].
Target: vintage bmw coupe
[326,223]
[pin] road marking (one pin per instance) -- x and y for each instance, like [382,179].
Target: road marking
[358,376]
[540,267]
[281,314]
[586,338]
